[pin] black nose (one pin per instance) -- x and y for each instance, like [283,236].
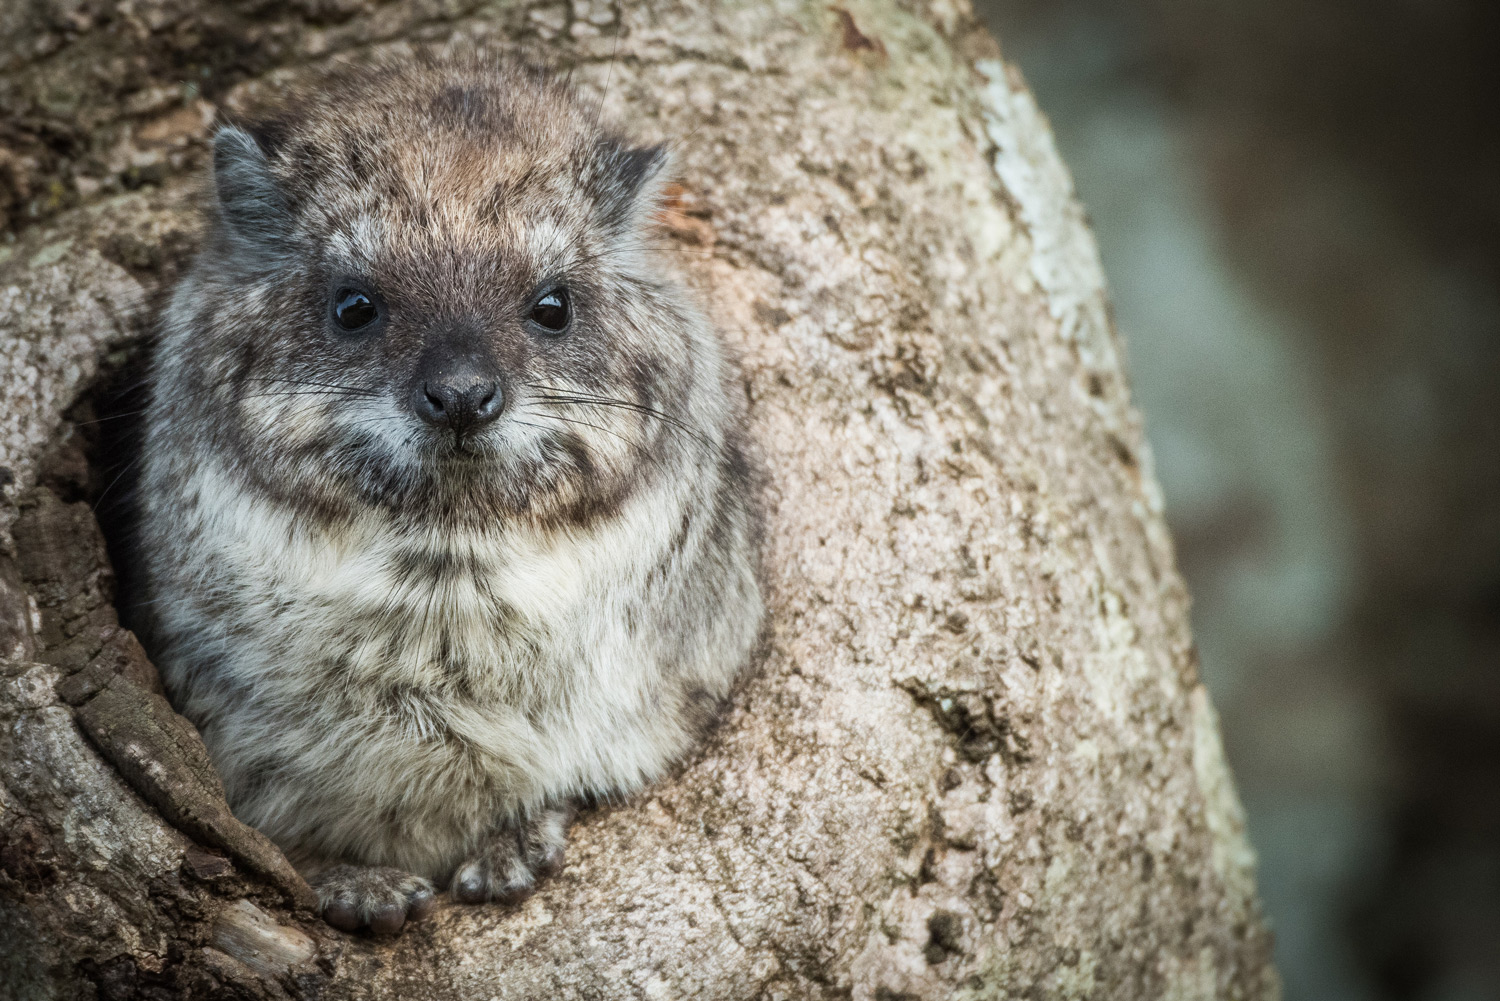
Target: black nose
[464,403]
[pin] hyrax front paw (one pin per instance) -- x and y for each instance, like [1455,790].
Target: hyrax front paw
[515,859]
[351,897]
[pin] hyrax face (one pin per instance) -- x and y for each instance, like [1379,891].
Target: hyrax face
[428,291]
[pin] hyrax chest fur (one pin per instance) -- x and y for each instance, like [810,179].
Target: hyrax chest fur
[445,521]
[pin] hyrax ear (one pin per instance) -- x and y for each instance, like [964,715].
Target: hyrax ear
[629,182]
[251,205]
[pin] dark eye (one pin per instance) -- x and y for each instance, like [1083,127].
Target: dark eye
[551,312]
[353,309]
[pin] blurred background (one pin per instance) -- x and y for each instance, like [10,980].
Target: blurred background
[1298,207]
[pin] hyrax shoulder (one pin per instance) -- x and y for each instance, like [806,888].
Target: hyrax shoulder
[446,519]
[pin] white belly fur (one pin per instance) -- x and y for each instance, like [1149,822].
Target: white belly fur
[381,718]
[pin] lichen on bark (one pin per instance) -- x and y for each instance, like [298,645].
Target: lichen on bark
[974,760]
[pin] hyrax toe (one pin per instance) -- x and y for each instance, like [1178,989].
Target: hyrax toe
[500,874]
[387,919]
[507,869]
[342,914]
[383,900]
[549,862]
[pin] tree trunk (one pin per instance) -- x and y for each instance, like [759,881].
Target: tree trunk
[974,759]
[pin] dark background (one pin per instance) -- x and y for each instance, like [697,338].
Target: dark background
[1298,207]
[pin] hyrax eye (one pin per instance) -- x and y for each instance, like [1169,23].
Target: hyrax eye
[353,309]
[552,312]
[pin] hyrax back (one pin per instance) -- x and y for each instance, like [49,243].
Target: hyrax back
[446,520]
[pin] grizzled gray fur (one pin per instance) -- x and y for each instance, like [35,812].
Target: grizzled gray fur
[445,516]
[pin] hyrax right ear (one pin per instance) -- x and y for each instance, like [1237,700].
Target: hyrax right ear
[627,183]
[251,205]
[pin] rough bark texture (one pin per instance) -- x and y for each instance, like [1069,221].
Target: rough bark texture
[975,760]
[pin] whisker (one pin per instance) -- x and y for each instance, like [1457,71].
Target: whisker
[621,404]
[375,420]
[580,394]
[681,140]
[105,492]
[310,382]
[303,392]
[110,417]
[647,244]
[574,420]
[555,395]
[335,392]
[610,72]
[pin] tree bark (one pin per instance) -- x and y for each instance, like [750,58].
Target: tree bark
[974,759]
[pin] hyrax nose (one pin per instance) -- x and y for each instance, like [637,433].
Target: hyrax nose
[464,401]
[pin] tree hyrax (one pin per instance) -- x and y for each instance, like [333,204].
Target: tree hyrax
[445,512]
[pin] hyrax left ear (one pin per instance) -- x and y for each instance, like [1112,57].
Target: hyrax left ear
[251,205]
[628,182]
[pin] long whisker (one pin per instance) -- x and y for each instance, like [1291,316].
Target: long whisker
[376,420]
[121,475]
[622,248]
[357,390]
[619,404]
[610,72]
[346,391]
[220,406]
[554,395]
[303,392]
[579,394]
[110,417]
[574,420]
